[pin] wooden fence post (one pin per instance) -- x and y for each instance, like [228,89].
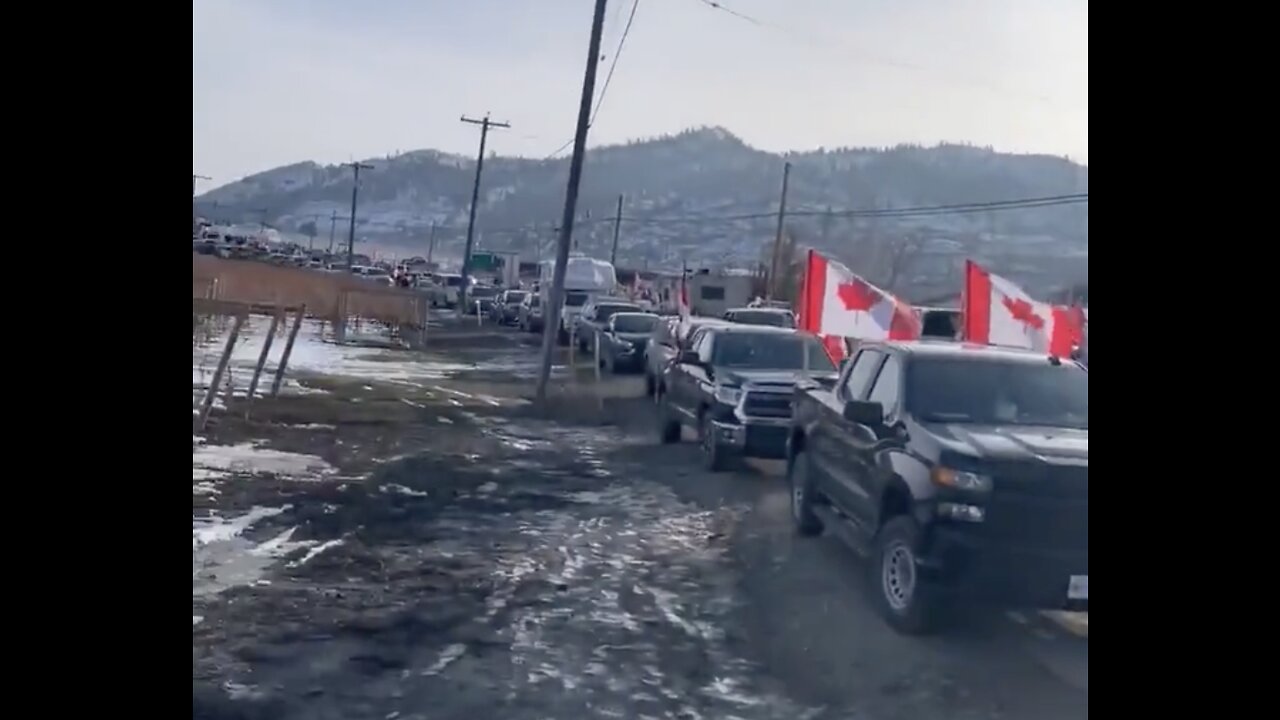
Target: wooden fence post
[288,348]
[217,374]
[262,360]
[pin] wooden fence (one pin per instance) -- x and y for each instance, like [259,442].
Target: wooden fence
[331,296]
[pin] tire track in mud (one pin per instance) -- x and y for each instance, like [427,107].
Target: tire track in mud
[611,605]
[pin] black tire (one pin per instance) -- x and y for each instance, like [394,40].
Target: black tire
[800,478]
[909,607]
[562,337]
[668,429]
[713,454]
[650,387]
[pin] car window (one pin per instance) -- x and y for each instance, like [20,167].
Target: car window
[629,323]
[864,368]
[886,388]
[604,312]
[691,340]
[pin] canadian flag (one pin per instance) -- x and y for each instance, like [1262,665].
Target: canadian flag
[682,299]
[835,304]
[997,312]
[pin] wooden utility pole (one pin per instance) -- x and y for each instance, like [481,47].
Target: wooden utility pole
[431,243]
[333,225]
[772,285]
[617,225]
[552,312]
[351,232]
[484,124]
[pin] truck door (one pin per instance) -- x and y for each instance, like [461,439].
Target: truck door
[837,438]
[862,445]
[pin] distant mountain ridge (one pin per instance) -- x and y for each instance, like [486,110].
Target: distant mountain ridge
[678,190]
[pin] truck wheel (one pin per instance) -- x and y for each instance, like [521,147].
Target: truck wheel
[904,602]
[713,455]
[563,337]
[649,386]
[668,429]
[801,480]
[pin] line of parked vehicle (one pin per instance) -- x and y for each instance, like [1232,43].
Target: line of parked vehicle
[960,472]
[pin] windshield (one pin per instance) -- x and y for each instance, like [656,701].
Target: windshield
[604,312]
[575,299]
[634,323]
[770,352]
[483,292]
[998,393]
[453,280]
[515,296]
[764,317]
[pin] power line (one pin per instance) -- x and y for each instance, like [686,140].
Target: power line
[626,30]
[904,212]
[731,11]
[558,150]
[917,211]
[811,38]
[613,65]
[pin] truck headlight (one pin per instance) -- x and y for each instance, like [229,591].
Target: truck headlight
[960,479]
[728,394]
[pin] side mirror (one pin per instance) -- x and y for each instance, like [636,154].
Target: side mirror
[863,412]
[688,357]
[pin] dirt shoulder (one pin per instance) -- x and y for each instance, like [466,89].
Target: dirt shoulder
[403,536]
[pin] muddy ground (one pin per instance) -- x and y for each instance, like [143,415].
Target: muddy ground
[402,536]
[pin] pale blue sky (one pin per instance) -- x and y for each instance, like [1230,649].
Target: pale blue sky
[280,81]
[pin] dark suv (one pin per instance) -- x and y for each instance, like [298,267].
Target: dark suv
[957,470]
[734,385]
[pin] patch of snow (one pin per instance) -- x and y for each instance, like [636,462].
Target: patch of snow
[212,461]
[217,529]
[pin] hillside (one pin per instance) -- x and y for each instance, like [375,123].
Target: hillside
[671,182]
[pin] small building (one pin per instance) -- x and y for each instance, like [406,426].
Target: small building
[711,294]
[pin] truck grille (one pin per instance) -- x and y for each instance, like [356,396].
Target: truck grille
[1042,506]
[766,404]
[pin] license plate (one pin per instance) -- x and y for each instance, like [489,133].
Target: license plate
[1078,587]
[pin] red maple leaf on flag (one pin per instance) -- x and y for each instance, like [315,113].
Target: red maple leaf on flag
[1022,311]
[857,295]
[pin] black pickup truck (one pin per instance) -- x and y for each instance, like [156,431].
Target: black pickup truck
[734,384]
[961,472]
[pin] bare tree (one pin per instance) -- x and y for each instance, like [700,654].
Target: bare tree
[897,256]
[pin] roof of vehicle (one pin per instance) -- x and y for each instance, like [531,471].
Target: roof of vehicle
[960,350]
[761,309]
[739,329]
[634,314]
[621,303]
